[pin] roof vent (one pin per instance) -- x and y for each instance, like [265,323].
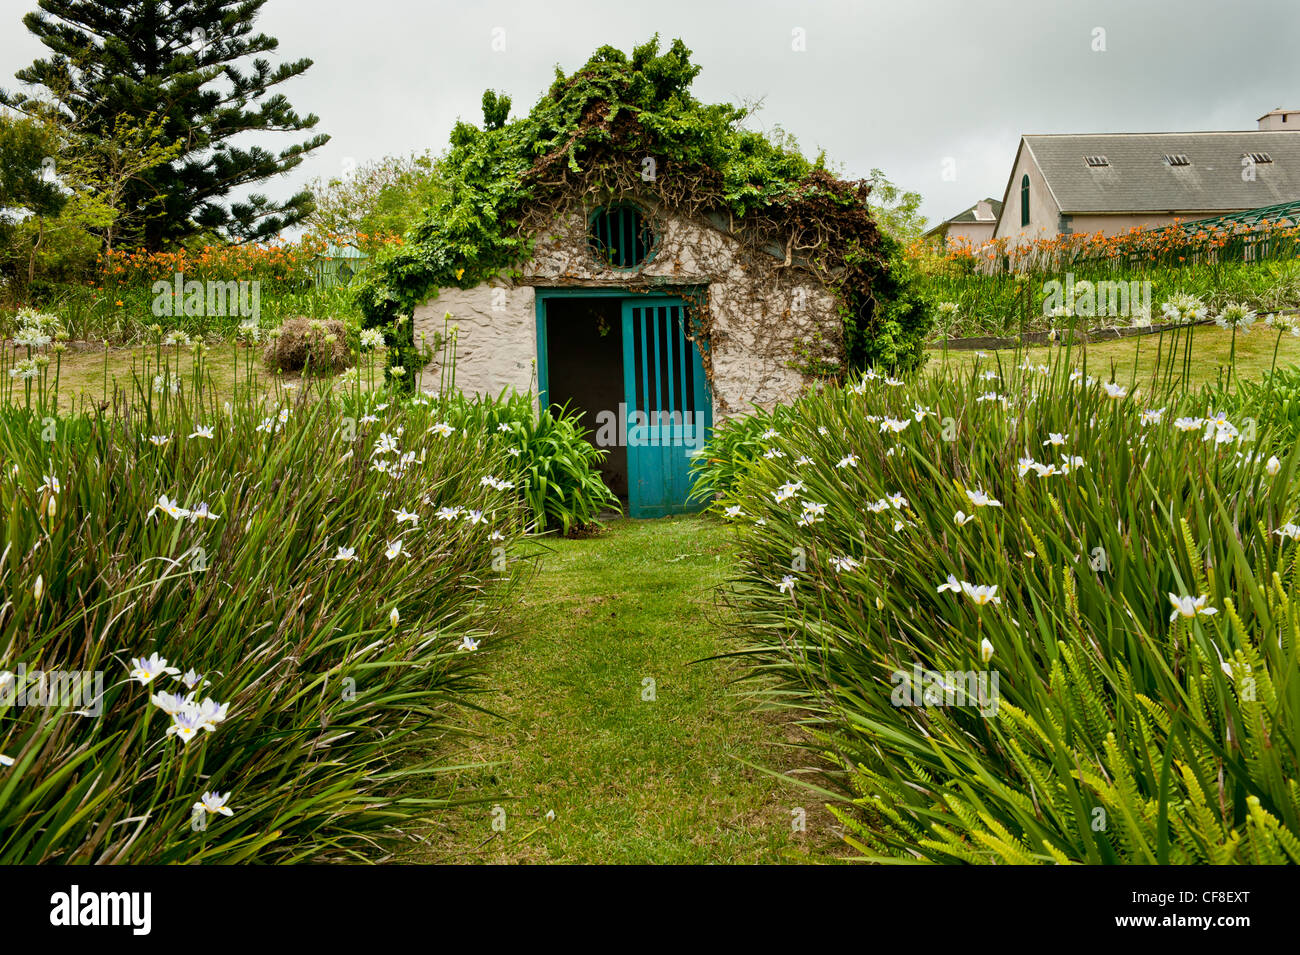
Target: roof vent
[1258,158]
[1177,159]
[1096,161]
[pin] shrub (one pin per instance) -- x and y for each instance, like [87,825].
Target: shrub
[255,547]
[559,470]
[1113,734]
[889,332]
[1272,401]
[1005,302]
[303,344]
[732,447]
[551,463]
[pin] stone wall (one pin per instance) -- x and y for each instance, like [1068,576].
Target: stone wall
[758,314]
[496,339]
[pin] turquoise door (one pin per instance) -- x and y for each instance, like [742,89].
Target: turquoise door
[669,409]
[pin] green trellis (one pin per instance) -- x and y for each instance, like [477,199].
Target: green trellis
[1251,218]
[339,265]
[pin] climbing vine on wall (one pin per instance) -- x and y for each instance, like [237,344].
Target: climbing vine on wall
[629,127]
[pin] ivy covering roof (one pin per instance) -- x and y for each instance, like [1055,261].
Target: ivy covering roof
[587,136]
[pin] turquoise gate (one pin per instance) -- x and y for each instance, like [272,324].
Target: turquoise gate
[667,407]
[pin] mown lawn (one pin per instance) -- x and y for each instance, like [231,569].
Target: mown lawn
[1212,347]
[88,374]
[629,778]
[85,377]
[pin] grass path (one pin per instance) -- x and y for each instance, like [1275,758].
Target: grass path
[629,780]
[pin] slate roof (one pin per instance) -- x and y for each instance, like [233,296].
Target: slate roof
[1137,177]
[968,215]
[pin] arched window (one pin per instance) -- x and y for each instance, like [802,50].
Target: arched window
[1024,200]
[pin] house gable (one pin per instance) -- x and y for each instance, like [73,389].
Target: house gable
[1044,208]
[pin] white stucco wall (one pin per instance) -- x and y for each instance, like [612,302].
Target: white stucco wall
[757,316]
[969,234]
[1119,223]
[496,336]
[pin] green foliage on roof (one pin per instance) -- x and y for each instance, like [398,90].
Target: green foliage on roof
[587,136]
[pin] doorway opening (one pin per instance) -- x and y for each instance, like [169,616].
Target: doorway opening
[584,358]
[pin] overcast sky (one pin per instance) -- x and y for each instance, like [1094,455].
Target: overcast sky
[904,85]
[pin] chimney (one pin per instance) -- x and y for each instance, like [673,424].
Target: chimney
[1280,120]
[984,210]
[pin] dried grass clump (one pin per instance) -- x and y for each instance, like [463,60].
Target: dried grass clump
[315,343]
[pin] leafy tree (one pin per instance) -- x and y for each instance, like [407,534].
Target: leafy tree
[199,69]
[29,194]
[101,169]
[496,109]
[59,212]
[896,212]
[386,196]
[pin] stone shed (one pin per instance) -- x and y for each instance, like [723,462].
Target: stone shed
[644,259]
[652,325]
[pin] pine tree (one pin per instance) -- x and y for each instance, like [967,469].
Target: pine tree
[199,68]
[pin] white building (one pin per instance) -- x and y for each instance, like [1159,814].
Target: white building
[1114,182]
